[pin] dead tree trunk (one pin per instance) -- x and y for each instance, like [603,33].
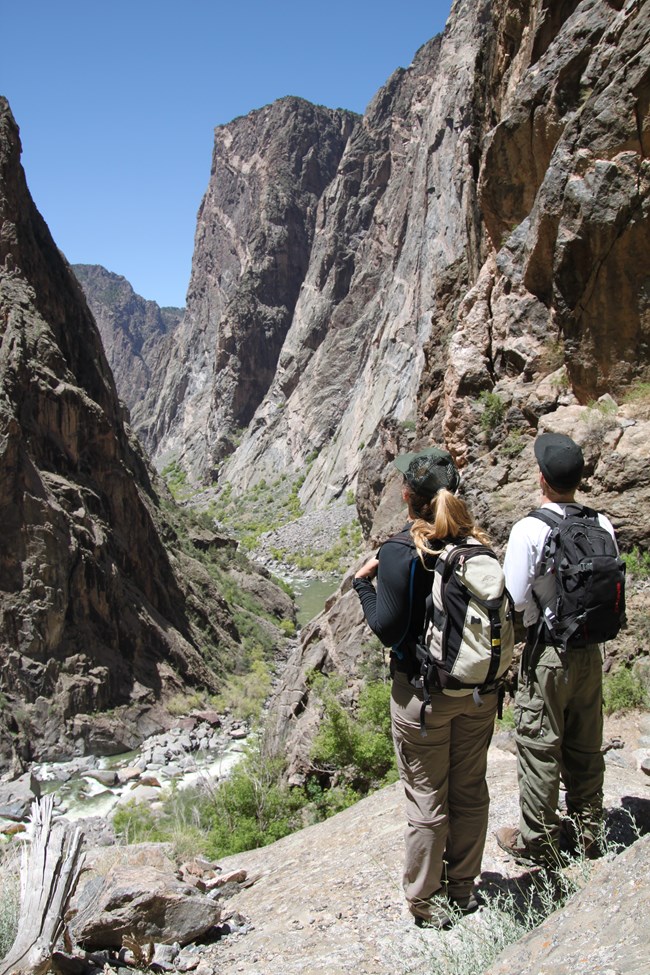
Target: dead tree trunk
[49,872]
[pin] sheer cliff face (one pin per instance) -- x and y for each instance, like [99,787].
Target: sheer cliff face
[92,612]
[391,227]
[135,333]
[487,225]
[564,191]
[253,241]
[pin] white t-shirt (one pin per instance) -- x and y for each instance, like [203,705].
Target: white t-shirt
[524,554]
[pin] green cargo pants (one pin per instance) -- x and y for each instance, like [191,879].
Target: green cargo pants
[447,797]
[559,734]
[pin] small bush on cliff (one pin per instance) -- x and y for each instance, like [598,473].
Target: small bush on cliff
[493,410]
[639,393]
[359,747]
[514,443]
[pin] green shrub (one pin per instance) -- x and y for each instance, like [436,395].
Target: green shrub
[176,479]
[360,745]
[623,691]
[245,694]
[252,807]
[493,410]
[638,392]
[637,563]
[514,443]
[135,822]
[181,704]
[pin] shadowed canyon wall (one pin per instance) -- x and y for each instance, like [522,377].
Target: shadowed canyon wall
[95,612]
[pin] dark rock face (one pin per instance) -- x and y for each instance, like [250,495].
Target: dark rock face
[94,611]
[136,333]
[253,242]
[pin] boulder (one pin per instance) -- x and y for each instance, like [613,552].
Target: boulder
[134,891]
[16,797]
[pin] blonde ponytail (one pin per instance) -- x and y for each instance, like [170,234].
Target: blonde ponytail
[440,520]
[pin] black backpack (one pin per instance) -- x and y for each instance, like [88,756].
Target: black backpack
[589,578]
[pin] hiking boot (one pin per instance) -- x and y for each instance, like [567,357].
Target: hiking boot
[509,839]
[438,923]
[577,842]
[467,904]
[437,913]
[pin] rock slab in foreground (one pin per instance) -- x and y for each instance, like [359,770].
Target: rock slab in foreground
[602,930]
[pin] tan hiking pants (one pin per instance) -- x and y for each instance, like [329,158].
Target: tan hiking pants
[447,798]
[559,734]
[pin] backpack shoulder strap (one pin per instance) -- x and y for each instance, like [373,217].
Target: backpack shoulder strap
[549,517]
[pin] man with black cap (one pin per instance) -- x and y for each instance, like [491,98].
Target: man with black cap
[558,704]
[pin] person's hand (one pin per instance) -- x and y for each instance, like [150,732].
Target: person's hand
[369,570]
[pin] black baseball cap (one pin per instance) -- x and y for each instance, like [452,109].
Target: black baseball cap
[428,471]
[560,460]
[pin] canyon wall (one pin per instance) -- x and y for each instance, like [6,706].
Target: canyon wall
[101,620]
[253,242]
[533,306]
[494,202]
[465,264]
[136,333]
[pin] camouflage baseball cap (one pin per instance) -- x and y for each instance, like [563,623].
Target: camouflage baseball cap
[428,471]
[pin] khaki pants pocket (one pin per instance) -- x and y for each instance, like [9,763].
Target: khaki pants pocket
[529,719]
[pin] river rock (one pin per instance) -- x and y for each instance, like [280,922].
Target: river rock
[16,797]
[107,777]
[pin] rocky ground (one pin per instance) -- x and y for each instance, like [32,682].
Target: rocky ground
[328,899]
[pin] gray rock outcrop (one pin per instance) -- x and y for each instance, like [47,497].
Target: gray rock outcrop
[134,892]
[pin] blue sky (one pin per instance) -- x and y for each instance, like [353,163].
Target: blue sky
[117,103]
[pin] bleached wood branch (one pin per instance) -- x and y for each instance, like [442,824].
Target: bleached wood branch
[50,868]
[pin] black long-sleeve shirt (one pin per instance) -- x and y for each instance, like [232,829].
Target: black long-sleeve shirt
[387,606]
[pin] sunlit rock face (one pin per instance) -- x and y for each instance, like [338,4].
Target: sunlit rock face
[518,178]
[95,613]
[253,243]
[487,227]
